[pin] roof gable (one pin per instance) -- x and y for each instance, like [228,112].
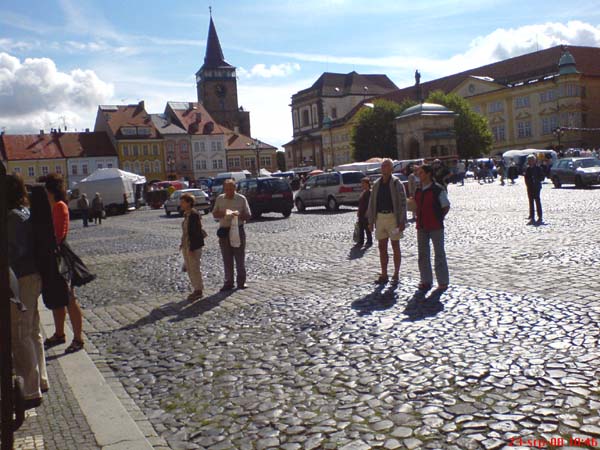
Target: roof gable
[31,146]
[194,118]
[89,144]
[128,116]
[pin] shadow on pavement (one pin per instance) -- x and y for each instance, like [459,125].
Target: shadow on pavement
[323,212]
[420,307]
[380,299]
[357,252]
[181,310]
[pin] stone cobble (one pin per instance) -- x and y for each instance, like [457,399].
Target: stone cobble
[312,355]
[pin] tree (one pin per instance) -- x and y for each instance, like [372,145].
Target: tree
[374,134]
[473,135]
[280,160]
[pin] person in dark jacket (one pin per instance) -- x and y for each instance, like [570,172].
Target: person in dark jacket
[363,220]
[432,207]
[192,241]
[534,175]
[97,208]
[83,204]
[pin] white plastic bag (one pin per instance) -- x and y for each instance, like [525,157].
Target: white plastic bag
[234,233]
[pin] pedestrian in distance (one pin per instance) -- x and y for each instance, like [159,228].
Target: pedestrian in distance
[432,207]
[83,204]
[387,215]
[441,173]
[192,241]
[27,344]
[413,185]
[461,170]
[534,175]
[363,220]
[97,208]
[71,267]
[228,205]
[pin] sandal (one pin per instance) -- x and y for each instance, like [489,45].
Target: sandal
[395,279]
[424,287]
[382,279]
[54,340]
[74,347]
[442,288]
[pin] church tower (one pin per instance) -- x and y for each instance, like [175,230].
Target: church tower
[216,84]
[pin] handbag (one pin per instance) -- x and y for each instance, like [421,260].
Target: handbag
[234,233]
[356,235]
[203,233]
[77,272]
[222,232]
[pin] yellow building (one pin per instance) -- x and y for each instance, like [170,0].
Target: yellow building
[33,155]
[336,137]
[139,146]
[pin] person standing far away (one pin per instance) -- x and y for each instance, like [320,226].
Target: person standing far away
[387,214]
[363,221]
[192,241]
[534,175]
[228,205]
[60,217]
[28,349]
[97,208]
[441,174]
[413,184]
[83,204]
[461,170]
[432,207]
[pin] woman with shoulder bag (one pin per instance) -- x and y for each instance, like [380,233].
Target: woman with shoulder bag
[192,241]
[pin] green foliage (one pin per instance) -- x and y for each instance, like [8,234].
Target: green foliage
[374,134]
[281,161]
[473,135]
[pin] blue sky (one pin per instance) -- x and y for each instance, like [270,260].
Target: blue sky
[60,58]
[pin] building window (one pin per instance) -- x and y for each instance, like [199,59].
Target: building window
[213,146]
[248,162]
[569,90]
[522,102]
[127,166]
[84,169]
[315,116]
[58,169]
[219,163]
[548,96]
[99,166]
[74,169]
[128,131]
[495,107]
[147,167]
[17,170]
[135,150]
[145,150]
[477,109]
[234,162]
[524,129]
[214,163]
[144,131]
[499,133]
[219,146]
[155,149]
[202,147]
[549,124]
[157,168]
[183,148]
[125,150]
[170,147]
[109,165]
[295,118]
[265,161]
[196,147]
[201,165]
[136,167]
[305,118]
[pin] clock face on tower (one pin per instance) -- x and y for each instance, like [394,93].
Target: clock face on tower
[220,90]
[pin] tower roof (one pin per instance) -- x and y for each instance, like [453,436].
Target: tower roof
[214,54]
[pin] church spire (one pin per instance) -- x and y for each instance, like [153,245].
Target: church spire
[214,55]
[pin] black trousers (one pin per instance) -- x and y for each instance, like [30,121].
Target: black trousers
[534,196]
[363,224]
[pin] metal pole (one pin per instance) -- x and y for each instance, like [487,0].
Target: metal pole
[5,338]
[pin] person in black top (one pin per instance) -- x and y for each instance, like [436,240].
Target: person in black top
[534,175]
[441,174]
[363,221]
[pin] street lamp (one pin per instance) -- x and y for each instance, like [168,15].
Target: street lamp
[255,144]
[558,132]
[171,164]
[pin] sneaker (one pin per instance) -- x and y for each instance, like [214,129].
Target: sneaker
[196,295]
[531,222]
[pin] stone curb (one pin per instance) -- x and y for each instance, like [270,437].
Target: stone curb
[111,424]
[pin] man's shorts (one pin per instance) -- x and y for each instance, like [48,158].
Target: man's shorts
[385,225]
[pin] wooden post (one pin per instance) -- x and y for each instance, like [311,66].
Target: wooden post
[6,380]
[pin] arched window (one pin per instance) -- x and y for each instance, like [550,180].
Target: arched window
[136,167]
[157,167]
[147,167]
[127,166]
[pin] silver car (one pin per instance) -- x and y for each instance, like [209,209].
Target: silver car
[578,171]
[330,190]
[201,201]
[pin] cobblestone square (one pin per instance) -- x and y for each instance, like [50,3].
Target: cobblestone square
[313,355]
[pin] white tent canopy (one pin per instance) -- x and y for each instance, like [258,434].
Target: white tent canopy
[109,174]
[265,173]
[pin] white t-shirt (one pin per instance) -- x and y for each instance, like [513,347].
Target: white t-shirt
[237,203]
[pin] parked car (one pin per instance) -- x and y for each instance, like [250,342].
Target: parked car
[267,194]
[216,188]
[201,201]
[578,171]
[331,189]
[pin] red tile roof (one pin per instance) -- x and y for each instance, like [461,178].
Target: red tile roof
[341,84]
[128,116]
[237,141]
[194,118]
[31,146]
[90,144]
[531,66]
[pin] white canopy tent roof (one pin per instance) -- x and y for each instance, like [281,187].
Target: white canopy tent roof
[109,174]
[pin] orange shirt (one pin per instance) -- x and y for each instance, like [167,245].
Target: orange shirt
[60,218]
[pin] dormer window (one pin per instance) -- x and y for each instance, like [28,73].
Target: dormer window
[144,131]
[128,131]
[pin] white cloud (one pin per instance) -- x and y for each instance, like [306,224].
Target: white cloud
[34,94]
[274,70]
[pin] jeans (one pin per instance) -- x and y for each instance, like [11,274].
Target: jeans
[534,196]
[27,344]
[85,214]
[441,265]
[230,254]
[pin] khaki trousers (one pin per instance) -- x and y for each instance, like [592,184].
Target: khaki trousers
[191,261]
[27,344]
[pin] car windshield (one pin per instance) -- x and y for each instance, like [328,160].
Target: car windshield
[275,185]
[588,163]
[195,192]
[219,181]
[352,177]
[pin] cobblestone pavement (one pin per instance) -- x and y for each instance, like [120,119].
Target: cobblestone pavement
[59,423]
[314,356]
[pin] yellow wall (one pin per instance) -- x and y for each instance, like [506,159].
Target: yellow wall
[37,164]
[127,159]
[241,154]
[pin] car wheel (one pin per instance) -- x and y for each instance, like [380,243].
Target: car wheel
[332,204]
[556,182]
[207,211]
[180,212]
[167,212]
[287,213]
[112,210]
[300,205]
[579,182]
